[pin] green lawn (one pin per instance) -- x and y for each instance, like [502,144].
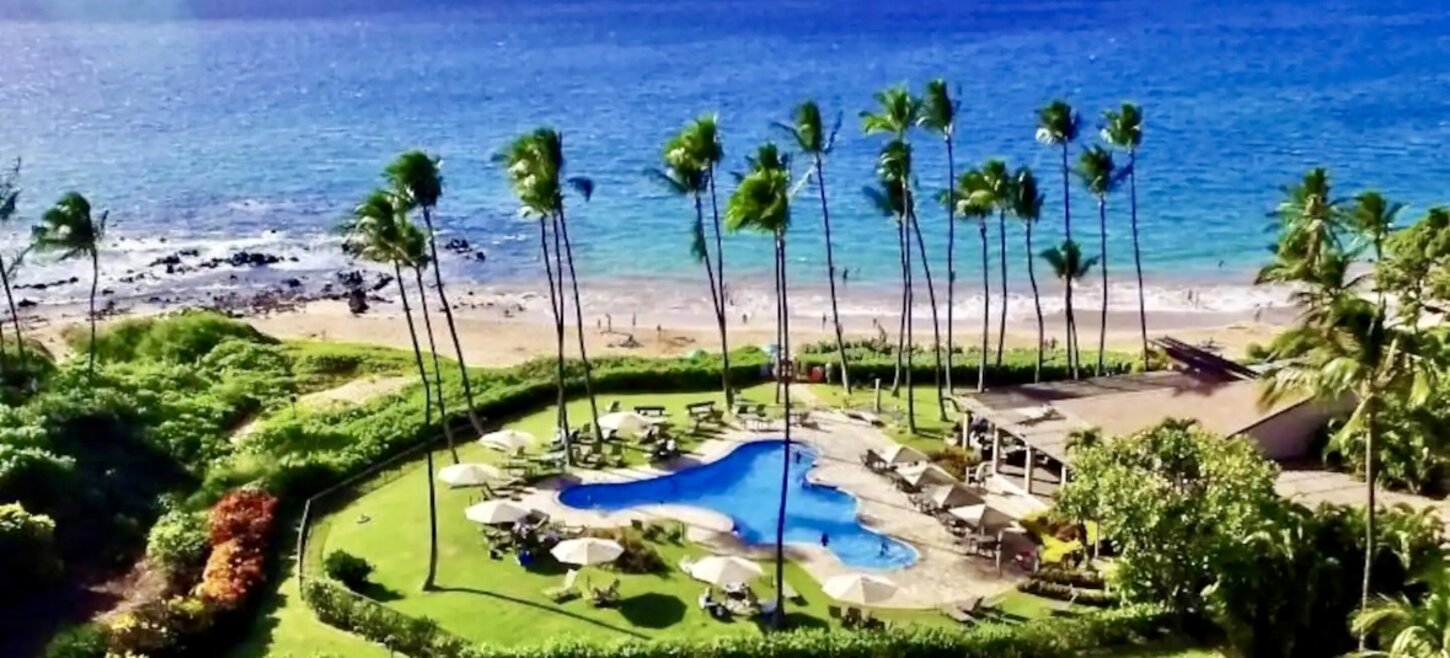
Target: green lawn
[930,429]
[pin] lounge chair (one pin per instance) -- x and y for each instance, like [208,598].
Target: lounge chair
[686,564]
[834,612]
[650,411]
[566,591]
[607,597]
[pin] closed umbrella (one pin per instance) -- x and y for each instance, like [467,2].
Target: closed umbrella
[507,440]
[860,588]
[494,512]
[587,551]
[468,475]
[900,454]
[723,570]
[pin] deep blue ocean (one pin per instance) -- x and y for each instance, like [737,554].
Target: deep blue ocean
[212,121]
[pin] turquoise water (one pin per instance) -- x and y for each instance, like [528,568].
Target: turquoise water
[211,120]
[745,486]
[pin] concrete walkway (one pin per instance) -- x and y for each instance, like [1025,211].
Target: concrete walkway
[940,575]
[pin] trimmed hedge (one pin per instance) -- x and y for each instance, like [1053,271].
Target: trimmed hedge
[869,361]
[1076,578]
[1045,638]
[1065,592]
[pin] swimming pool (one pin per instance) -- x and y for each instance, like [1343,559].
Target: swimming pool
[745,485]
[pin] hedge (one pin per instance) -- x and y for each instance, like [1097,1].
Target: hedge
[868,361]
[1045,638]
[1066,592]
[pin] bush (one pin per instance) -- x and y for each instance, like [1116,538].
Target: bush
[1076,578]
[177,542]
[872,359]
[240,524]
[348,569]
[27,551]
[182,338]
[639,555]
[1068,592]
[80,641]
[955,461]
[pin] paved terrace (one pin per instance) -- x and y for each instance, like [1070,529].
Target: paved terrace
[940,575]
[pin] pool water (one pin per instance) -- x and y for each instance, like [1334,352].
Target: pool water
[745,485]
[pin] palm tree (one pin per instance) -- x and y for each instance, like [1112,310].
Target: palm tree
[700,141]
[892,167]
[899,111]
[939,116]
[997,187]
[1027,206]
[9,200]
[974,202]
[761,203]
[1068,264]
[1124,129]
[377,233]
[1057,126]
[1100,177]
[69,229]
[683,175]
[1407,628]
[414,177]
[813,140]
[413,250]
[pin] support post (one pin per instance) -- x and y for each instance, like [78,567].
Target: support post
[996,448]
[1031,465]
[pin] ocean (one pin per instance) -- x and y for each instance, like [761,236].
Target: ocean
[217,126]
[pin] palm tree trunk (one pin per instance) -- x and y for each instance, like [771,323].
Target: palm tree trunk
[14,315]
[427,420]
[554,307]
[831,273]
[901,326]
[1103,268]
[437,369]
[1072,356]
[579,321]
[1369,507]
[452,330]
[95,280]
[986,308]
[720,310]
[951,258]
[1002,258]
[780,362]
[910,340]
[782,297]
[1036,302]
[941,403]
[1137,255]
[718,303]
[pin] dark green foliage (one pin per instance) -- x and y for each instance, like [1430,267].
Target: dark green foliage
[178,542]
[182,338]
[1048,638]
[27,552]
[348,569]
[872,360]
[22,377]
[1067,592]
[81,641]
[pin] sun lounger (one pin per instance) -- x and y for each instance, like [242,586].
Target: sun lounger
[650,411]
[566,591]
[607,597]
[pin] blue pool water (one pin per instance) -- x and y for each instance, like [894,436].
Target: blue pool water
[745,486]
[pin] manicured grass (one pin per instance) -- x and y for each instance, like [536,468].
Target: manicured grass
[931,431]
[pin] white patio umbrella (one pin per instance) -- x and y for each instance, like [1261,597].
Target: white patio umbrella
[468,475]
[627,423]
[952,495]
[721,570]
[494,512]
[920,474]
[587,550]
[506,440]
[901,454]
[859,588]
[980,516]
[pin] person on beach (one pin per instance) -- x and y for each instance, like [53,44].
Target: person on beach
[825,540]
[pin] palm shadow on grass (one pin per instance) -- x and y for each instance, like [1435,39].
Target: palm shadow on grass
[652,610]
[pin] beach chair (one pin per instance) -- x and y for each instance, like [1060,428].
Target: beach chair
[650,411]
[834,612]
[566,591]
[607,597]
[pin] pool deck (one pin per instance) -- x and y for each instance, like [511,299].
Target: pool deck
[940,575]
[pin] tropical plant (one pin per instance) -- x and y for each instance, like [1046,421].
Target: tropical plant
[1057,126]
[687,173]
[997,188]
[939,116]
[761,203]
[376,234]
[414,252]
[893,198]
[1100,176]
[69,229]
[813,140]
[9,200]
[701,143]
[974,200]
[1407,628]
[414,177]
[1123,128]
[1068,264]
[1027,207]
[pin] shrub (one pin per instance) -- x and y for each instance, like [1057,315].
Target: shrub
[182,338]
[177,542]
[871,359]
[244,514]
[639,555]
[956,461]
[163,627]
[348,569]
[240,524]
[27,551]
[80,641]
[1074,577]
[1069,592]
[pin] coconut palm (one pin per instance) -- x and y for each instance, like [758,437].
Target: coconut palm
[1406,628]
[69,229]
[1057,126]
[898,112]
[939,116]
[700,142]
[893,166]
[415,178]
[974,202]
[761,203]
[1100,176]
[815,141]
[1311,221]
[1027,207]
[413,250]
[685,176]
[9,200]
[1123,128]
[1068,264]
[380,232]
[996,182]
